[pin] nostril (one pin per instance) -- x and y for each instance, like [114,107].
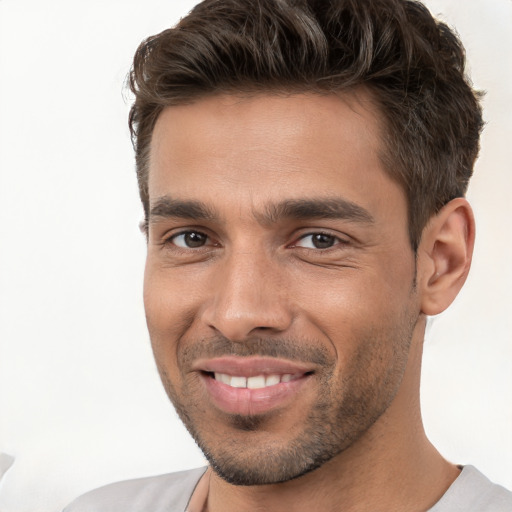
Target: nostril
[235,318]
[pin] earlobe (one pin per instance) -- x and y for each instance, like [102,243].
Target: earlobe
[444,255]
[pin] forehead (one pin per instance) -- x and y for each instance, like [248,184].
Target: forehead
[262,147]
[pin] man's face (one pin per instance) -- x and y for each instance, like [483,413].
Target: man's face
[279,285]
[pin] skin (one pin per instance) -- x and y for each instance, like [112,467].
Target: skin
[342,295]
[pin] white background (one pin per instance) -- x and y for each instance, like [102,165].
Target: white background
[80,401]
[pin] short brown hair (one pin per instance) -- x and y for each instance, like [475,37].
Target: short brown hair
[412,64]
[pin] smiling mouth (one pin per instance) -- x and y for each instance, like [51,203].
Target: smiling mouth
[254,382]
[255,394]
[253,385]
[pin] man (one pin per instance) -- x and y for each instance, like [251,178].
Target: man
[302,166]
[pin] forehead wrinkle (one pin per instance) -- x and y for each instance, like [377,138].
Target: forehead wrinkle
[314,208]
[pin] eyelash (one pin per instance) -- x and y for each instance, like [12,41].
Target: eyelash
[336,240]
[331,238]
[172,239]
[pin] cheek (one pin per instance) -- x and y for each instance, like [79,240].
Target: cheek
[170,299]
[352,297]
[360,311]
[164,319]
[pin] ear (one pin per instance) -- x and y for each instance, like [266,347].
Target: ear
[444,255]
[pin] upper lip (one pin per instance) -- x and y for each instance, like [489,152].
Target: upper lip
[251,366]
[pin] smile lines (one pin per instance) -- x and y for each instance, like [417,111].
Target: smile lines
[255,382]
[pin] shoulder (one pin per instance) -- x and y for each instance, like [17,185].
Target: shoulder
[169,493]
[473,492]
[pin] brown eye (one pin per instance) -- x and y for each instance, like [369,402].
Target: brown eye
[190,239]
[317,241]
[322,241]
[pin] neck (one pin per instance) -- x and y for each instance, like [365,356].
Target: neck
[393,467]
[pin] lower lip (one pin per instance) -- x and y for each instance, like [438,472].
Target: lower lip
[250,402]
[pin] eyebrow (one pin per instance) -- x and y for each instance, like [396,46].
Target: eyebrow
[317,208]
[166,207]
[298,209]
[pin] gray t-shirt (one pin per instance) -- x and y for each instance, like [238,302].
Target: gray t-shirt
[471,492]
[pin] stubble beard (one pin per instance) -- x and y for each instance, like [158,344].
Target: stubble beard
[330,427]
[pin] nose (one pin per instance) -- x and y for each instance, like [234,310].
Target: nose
[248,296]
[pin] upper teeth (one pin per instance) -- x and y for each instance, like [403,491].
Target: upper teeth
[256,382]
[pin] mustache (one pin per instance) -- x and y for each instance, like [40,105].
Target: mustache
[303,350]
